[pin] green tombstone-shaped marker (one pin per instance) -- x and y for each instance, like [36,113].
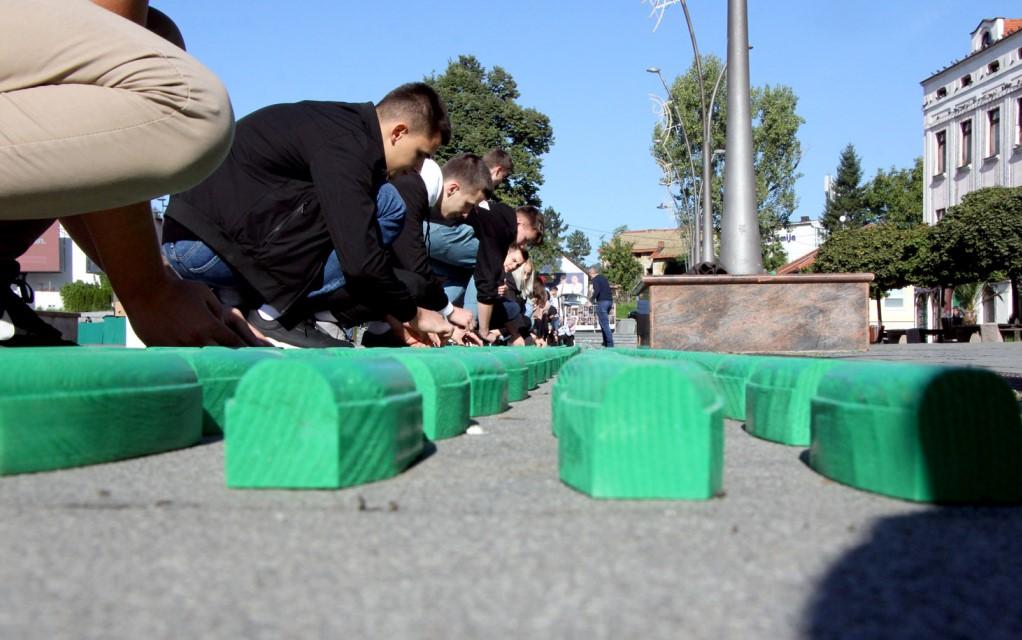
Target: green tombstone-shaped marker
[732,374]
[640,429]
[487,379]
[924,433]
[517,368]
[778,398]
[219,370]
[322,423]
[574,373]
[442,381]
[70,407]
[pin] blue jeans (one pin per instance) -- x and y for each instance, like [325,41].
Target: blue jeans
[195,260]
[452,252]
[603,315]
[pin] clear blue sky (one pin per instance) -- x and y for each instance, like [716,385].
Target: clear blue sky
[855,67]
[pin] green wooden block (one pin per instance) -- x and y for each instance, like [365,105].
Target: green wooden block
[632,428]
[574,373]
[532,363]
[487,379]
[778,398]
[322,423]
[219,370]
[63,408]
[732,373]
[115,330]
[442,381]
[517,369]
[923,433]
[90,333]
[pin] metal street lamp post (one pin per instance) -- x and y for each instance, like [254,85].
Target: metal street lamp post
[707,252]
[692,166]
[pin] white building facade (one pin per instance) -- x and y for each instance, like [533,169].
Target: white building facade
[799,238]
[972,119]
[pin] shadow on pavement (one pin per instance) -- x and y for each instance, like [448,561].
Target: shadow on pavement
[945,573]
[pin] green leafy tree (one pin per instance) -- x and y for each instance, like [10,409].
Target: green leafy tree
[892,254]
[848,199]
[979,240]
[577,246]
[777,150]
[484,114]
[81,296]
[619,265]
[896,196]
[547,255]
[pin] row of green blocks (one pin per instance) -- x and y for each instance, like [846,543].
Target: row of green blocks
[294,419]
[641,423]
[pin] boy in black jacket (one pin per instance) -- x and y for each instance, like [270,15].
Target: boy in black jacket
[448,193]
[291,214]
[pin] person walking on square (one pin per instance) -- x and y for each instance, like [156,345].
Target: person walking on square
[603,300]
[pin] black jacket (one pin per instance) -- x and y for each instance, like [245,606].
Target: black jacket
[496,230]
[410,247]
[300,181]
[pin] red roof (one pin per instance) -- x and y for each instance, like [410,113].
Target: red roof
[799,264]
[1011,25]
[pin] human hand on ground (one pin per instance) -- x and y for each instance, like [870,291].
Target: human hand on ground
[426,321]
[462,318]
[175,312]
[466,338]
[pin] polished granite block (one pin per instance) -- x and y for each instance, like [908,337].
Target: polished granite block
[760,314]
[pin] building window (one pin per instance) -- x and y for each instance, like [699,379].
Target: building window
[993,132]
[941,153]
[966,80]
[994,66]
[940,214]
[987,40]
[894,303]
[966,155]
[941,93]
[1018,122]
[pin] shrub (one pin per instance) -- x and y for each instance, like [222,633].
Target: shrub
[80,296]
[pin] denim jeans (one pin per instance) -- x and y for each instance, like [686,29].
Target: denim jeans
[603,315]
[194,260]
[452,252]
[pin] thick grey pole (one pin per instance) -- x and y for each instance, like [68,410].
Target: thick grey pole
[740,252]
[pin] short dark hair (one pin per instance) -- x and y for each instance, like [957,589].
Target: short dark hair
[535,219]
[421,105]
[497,157]
[469,170]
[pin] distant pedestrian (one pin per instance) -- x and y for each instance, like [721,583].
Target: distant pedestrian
[603,300]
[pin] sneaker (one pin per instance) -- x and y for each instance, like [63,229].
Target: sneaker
[20,326]
[305,335]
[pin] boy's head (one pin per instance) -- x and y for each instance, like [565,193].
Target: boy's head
[499,164]
[530,226]
[516,257]
[414,123]
[466,182]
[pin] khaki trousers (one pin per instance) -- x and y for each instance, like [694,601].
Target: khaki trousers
[96,112]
